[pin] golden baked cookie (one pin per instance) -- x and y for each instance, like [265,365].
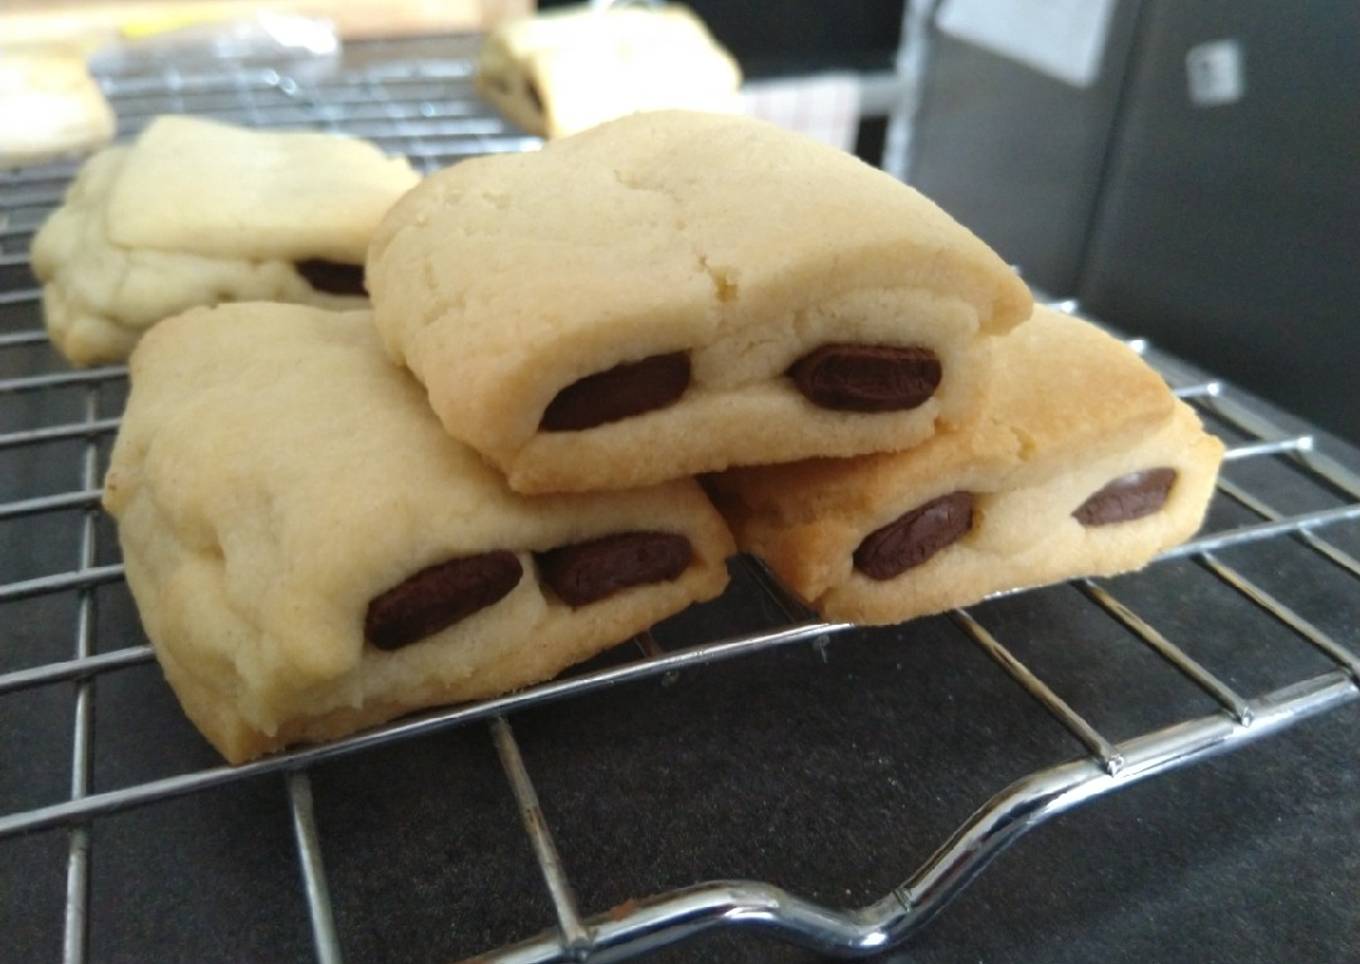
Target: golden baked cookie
[571,68]
[50,105]
[1081,462]
[197,213]
[312,554]
[677,292]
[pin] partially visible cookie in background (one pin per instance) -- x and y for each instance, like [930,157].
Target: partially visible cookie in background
[310,553]
[49,105]
[198,213]
[572,68]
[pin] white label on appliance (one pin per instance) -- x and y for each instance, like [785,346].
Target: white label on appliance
[1214,73]
[1064,39]
[824,107]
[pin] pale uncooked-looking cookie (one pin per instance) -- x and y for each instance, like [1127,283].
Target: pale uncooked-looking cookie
[561,72]
[49,105]
[311,553]
[1081,463]
[198,213]
[677,292]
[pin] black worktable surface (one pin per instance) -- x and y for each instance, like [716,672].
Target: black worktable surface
[833,773]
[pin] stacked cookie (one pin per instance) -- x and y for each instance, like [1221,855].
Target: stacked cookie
[676,293]
[679,293]
[1080,461]
[331,519]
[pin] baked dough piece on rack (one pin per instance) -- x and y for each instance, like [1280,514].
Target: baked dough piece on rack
[678,292]
[50,105]
[198,213]
[312,554]
[561,72]
[1081,463]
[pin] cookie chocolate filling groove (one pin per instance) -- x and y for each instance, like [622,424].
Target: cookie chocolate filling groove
[867,378]
[439,596]
[628,389]
[333,277]
[589,571]
[912,538]
[1128,497]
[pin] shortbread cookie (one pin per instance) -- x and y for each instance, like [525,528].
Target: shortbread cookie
[572,68]
[676,292]
[197,213]
[1082,463]
[50,105]
[311,553]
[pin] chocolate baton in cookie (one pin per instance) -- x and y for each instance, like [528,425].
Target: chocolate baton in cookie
[1080,462]
[677,292]
[198,213]
[311,553]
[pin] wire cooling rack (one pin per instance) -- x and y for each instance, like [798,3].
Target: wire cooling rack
[425,108]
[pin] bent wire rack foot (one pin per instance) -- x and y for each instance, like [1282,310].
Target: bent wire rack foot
[395,103]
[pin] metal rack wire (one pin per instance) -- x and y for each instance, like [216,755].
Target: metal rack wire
[426,110]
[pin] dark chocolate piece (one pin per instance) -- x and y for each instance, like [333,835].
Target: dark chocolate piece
[914,537]
[1128,497]
[333,277]
[589,571]
[867,378]
[624,390]
[439,596]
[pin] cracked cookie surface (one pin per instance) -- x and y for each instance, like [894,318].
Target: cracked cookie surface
[503,282]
